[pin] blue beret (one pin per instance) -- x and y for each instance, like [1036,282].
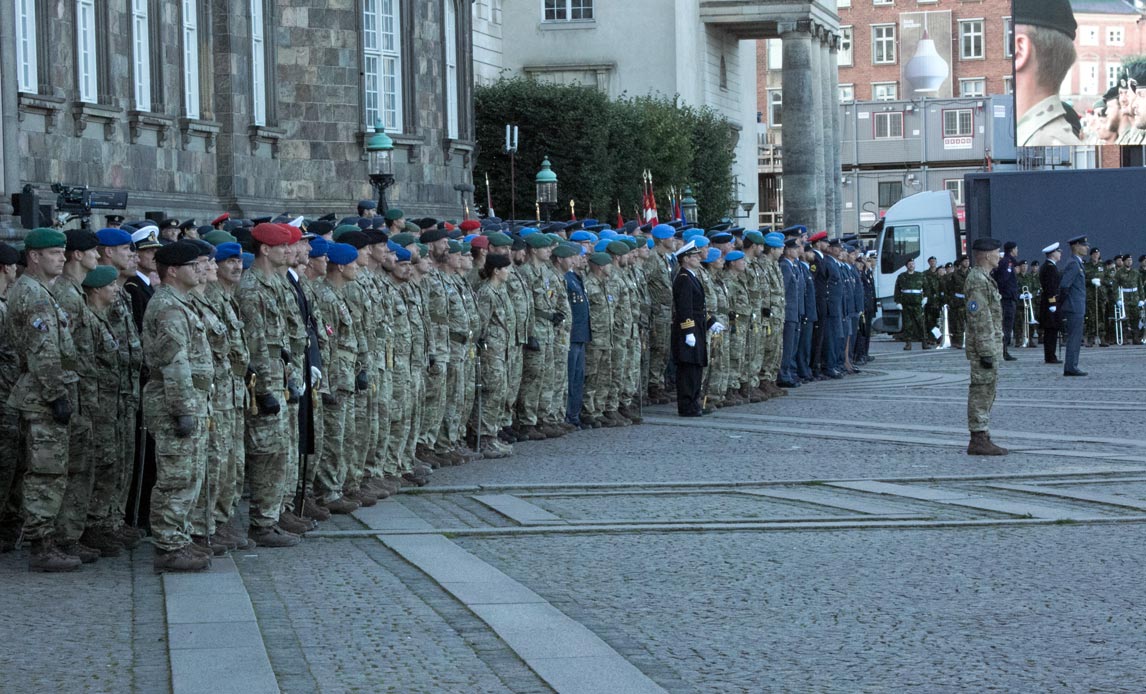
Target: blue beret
[691,234]
[608,234]
[368,204]
[470,237]
[343,253]
[734,255]
[651,243]
[113,237]
[579,236]
[248,260]
[713,255]
[228,250]
[403,255]
[699,241]
[774,239]
[662,231]
[589,222]
[601,246]
[527,231]
[318,247]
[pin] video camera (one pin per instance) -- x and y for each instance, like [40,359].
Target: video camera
[81,200]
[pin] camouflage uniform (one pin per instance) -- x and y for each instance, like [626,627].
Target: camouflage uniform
[630,373]
[296,383]
[363,429]
[740,312]
[220,427]
[498,340]
[10,461]
[344,353]
[1095,302]
[402,405]
[755,325]
[557,388]
[718,347]
[178,357]
[419,363]
[376,337]
[537,366]
[435,295]
[517,289]
[100,380]
[773,336]
[230,404]
[119,317]
[909,292]
[658,274]
[461,345]
[984,339]
[598,355]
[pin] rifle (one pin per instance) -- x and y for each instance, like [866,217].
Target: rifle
[477,429]
[140,461]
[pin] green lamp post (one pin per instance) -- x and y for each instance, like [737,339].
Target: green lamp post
[546,181]
[688,206]
[380,157]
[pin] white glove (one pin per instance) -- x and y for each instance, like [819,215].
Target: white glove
[1096,282]
[690,340]
[1025,296]
[315,376]
[716,328]
[1053,308]
[1141,304]
[924,301]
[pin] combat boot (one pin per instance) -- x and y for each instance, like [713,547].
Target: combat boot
[907,346]
[48,558]
[416,477]
[237,537]
[86,554]
[778,391]
[103,541]
[293,524]
[590,422]
[312,510]
[273,536]
[342,505]
[981,444]
[129,537]
[376,488]
[533,433]
[182,559]
[223,539]
[393,483]
[629,414]
[361,497]
[493,449]
[216,549]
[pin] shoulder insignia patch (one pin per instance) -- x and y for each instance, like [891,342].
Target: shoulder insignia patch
[813,267]
[972,306]
[40,325]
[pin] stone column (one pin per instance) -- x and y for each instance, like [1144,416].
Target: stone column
[803,165]
[815,124]
[836,132]
[830,150]
[9,123]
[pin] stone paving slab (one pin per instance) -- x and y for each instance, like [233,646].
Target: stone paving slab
[518,510]
[959,498]
[391,516]
[805,496]
[1075,495]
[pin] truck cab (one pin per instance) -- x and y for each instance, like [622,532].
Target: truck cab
[915,228]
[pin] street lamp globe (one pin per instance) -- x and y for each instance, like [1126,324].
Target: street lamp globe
[380,150]
[688,205]
[546,181]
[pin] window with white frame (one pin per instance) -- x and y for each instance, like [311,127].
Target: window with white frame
[141,54]
[27,76]
[958,122]
[87,75]
[1088,77]
[888,125]
[775,107]
[258,65]
[843,3]
[774,50]
[883,2]
[973,86]
[567,10]
[847,93]
[1112,70]
[955,187]
[1088,35]
[1008,37]
[883,44]
[971,39]
[451,31]
[1008,85]
[190,59]
[382,60]
[845,54]
[884,91]
[1115,36]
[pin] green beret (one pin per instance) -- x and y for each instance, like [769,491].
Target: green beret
[500,240]
[413,229]
[466,248]
[404,239]
[617,248]
[630,242]
[394,214]
[423,250]
[538,241]
[344,229]
[556,237]
[101,276]
[39,239]
[754,237]
[219,236]
[1049,14]
[601,259]
[566,250]
[455,247]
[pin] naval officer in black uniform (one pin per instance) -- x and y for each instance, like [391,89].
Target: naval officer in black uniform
[690,327]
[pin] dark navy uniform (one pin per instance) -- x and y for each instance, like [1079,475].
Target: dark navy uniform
[580,332]
[689,318]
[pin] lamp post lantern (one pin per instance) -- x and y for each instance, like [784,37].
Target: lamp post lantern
[380,159]
[546,181]
[688,206]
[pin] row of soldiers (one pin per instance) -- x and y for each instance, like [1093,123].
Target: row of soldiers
[320,366]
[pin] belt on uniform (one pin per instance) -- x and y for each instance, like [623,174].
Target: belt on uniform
[911,291]
[960,296]
[1127,290]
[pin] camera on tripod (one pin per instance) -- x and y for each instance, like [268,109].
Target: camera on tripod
[81,200]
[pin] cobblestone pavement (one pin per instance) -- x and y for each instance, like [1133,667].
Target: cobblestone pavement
[835,540]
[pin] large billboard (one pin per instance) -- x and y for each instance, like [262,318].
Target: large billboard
[1079,72]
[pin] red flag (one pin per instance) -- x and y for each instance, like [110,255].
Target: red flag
[650,201]
[620,219]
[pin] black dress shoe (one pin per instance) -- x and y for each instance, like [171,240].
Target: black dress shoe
[1053,361]
[1007,357]
[1074,372]
[787,384]
[688,414]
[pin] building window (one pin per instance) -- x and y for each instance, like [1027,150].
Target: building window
[567,10]
[884,91]
[1008,37]
[891,192]
[847,93]
[1115,36]
[971,39]
[27,76]
[382,60]
[973,86]
[958,122]
[883,44]
[775,107]
[141,54]
[1008,85]
[1112,70]
[955,187]
[1088,35]
[845,54]
[190,59]
[87,75]
[843,3]
[883,2]
[775,53]
[1088,78]
[889,125]
[258,65]
[451,30]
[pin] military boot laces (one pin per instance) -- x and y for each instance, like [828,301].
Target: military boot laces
[182,559]
[48,558]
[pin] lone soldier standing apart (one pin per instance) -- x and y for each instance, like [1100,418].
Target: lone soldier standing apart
[909,294]
[1072,304]
[984,346]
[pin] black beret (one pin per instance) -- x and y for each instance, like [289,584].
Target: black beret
[432,235]
[1049,14]
[178,253]
[1010,246]
[985,244]
[355,238]
[321,227]
[205,249]
[375,237]
[9,255]
[81,240]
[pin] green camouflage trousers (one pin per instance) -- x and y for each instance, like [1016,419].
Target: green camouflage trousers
[495,389]
[658,353]
[451,433]
[294,461]
[107,464]
[755,337]
[73,513]
[629,377]
[267,463]
[11,466]
[515,363]
[598,373]
[773,343]
[180,466]
[980,397]
[536,377]
[45,479]
[333,463]
[557,389]
[377,464]
[129,409]
[225,450]
[434,402]
[717,370]
[401,412]
[365,436]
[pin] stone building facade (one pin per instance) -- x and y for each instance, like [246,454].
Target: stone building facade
[253,107]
